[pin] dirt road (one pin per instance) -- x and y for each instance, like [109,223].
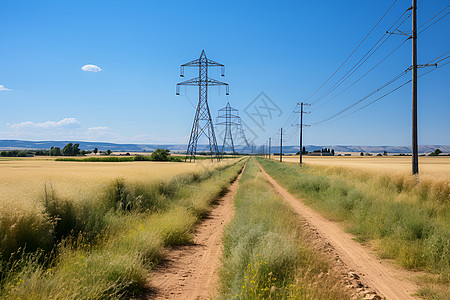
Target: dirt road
[190,271]
[388,280]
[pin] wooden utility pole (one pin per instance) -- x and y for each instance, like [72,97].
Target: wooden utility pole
[270,142]
[301,131]
[302,104]
[281,145]
[415,144]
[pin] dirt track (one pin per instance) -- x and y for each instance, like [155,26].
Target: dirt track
[190,271]
[388,280]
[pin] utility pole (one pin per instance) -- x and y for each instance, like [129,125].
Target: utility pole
[302,104]
[203,124]
[281,145]
[415,144]
[270,142]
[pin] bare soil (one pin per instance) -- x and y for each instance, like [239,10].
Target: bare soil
[362,271]
[190,271]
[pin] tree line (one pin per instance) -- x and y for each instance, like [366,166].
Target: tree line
[70,149]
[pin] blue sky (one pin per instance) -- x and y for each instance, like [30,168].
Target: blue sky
[286,49]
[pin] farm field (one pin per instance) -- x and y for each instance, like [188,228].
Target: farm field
[383,206]
[24,179]
[101,236]
[123,214]
[438,167]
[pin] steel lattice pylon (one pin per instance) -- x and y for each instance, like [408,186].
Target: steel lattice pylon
[203,123]
[231,117]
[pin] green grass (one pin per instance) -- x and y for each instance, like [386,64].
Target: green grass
[265,255]
[106,247]
[403,220]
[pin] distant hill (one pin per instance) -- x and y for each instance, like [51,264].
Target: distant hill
[381,149]
[17,144]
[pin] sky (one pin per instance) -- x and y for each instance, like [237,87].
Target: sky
[106,71]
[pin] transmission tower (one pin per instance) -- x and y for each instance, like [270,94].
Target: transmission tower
[242,133]
[230,118]
[202,121]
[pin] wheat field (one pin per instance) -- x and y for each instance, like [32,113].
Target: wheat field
[431,167]
[23,180]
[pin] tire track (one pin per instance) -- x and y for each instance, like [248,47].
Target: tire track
[190,271]
[388,280]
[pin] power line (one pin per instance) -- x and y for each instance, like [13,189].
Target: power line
[390,92]
[438,58]
[364,98]
[363,59]
[294,134]
[351,54]
[360,78]
[433,18]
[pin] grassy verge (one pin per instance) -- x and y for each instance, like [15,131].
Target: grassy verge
[265,256]
[403,220]
[107,246]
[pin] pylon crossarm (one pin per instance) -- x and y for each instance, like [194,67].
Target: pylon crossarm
[193,63]
[229,109]
[196,81]
[197,62]
[193,81]
[211,81]
[231,123]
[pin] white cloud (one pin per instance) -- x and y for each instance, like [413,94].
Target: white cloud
[70,129]
[100,128]
[91,68]
[3,88]
[64,123]
[65,129]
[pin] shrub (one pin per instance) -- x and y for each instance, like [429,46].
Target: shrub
[160,155]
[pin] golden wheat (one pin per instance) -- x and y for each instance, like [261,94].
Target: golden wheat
[429,167]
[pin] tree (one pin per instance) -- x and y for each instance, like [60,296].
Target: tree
[385,153]
[68,149]
[108,152]
[95,151]
[160,155]
[332,151]
[76,149]
[361,154]
[435,153]
[55,151]
[304,151]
